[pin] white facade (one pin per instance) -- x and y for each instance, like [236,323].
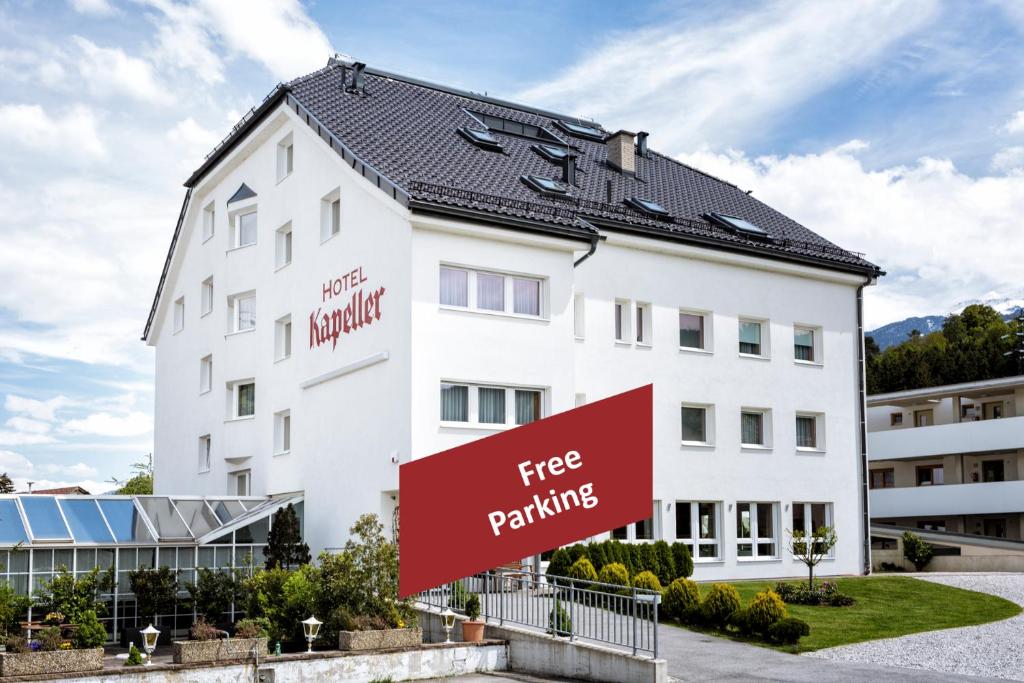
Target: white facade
[356,410]
[950,458]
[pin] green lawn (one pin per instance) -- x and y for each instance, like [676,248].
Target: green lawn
[887,606]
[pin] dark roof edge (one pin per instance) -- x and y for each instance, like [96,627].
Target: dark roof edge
[167,265]
[500,220]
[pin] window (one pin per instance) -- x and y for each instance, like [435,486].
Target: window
[751,342]
[525,296]
[932,525]
[454,287]
[545,185]
[330,215]
[753,431]
[643,530]
[756,530]
[282,432]
[209,221]
[929,475]
[490,292]
[283,338]
[803,344]
[179,314]
[882,543]
[579,316]
[285,157]
[647,206]
[697,525]
[895,419]
[283,246]
[810,517]
[552,153]
[737,224]
[205,374]
[691,330]
[490,406]
[883,479]
[239,483]
[243,312]
[204,453]
[510,127]
[622,321]
[695,423]
[993,470]
[810,431]
[243,399]
[581,130]
[245,229]
[481,138]
[643,324]
[207,296]
[924,418]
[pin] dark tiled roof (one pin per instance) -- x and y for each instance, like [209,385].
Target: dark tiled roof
[407,131]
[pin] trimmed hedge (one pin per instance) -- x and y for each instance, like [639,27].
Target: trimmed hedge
[648,581]
[614,573]
[788,631]
[681,600]
[583,572]
[719,604]
[667,562]
[765,610]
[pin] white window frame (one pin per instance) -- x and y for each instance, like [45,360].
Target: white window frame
[754,539]
[709,424]
[179,314]
[473,405]
[328,228]
[233,478]
[579,317]
[236,310]
[508,281]
[656,527]
[708,326]
[642,314]
[766,349]
[817,356]
[285,157]
[206,297]
[206,374]
[209,221]
[819,432]
[766,428]
[233,395]
[808,531]
[692,535]
[283,338]
[284,246]
[236,228]
[622,321]
[205,452]
[282,432]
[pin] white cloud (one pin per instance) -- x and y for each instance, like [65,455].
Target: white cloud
[15,464]
[720,82]
[1009,160]
[105,71]
[15,438]
[184,41]
[929,225]
[71,134]
[97,7]
[77,470]
[1016,123]
[106,424]
[28,425]
[39,410]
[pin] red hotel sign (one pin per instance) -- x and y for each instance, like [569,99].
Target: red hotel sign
[524,491]
[362,309]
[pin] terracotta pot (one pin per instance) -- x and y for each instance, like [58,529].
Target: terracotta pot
[472,631]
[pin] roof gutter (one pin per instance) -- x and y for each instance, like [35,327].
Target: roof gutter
[540,227]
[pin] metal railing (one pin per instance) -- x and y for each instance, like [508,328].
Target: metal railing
[620,616]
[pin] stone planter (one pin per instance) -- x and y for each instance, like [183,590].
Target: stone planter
[55,662]
[386,639]
[193,651]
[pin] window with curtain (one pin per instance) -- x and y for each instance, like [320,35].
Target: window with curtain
[491,405]
[750,338]
[490,292]
[245,313]
[454,403]
[752,428]
[525,296]
[707,530]
[246,400]
[691,331]
[454,287]
[806,432]
[528,406]
[694,421]
[803,344]
[247,229]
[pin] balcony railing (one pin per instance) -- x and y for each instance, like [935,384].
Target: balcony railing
[947,439]
[998,497]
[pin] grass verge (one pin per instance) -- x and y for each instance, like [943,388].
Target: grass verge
[887,606]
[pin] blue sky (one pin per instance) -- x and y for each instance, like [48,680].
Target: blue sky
[895,128]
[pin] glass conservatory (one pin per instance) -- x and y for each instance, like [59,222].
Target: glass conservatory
[39,534]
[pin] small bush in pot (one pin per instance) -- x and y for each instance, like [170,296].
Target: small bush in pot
[252,628]
[134,656]
[90,632]
[49,639]
[203,631]
[473,629]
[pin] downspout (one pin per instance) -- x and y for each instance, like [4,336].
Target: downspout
[594,239]
[862,409]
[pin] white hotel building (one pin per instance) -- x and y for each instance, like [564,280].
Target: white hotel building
[372,269]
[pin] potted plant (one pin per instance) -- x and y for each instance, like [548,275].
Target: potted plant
[473,627]
[51,654]
[208,643]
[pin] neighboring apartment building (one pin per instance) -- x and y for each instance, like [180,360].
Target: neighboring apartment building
[372,269]
[950,458]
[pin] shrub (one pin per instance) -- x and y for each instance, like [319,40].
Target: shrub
[13,608]
[682,559]
[788,631]
[719,604]
[155,591]
[134,656]
[90,632]
[647,580]
[680,599]
[891,567]
[73,596]
[916,551]
[213,592]
[576,551]
[827,593]
[203,631]
[559,622]
[16,644]
[765,609]
[252,628]
[264,598]
[583,572]
[598,555]
[666,563]
[473,607]
[644,558]
[284,542]
[560,563]
[614,573]
[740,620]
[49,639]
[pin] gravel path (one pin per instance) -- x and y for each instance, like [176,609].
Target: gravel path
[995,649]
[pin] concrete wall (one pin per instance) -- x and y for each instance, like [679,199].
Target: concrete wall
[971,559]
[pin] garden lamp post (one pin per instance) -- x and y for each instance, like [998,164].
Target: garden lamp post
[311,627]
[149,637]
[448,619]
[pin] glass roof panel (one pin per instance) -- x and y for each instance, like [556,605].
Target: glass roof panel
[125,521]
[44,518]
[556,152]
[227,510]
[582,130]
[254,533]
[198,516]
[740,224]
[650,205]
[547,184]
[161,513]
[85,520]
[12,531]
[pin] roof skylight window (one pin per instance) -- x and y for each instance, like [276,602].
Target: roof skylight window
[500,124]
[738,224]
[552,153]
[481,138]
[545,185]
[582,130]
[647,206]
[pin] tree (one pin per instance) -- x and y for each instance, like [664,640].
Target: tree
[917,551]
[812,551]
[6,485]
[285,547]
[141,481]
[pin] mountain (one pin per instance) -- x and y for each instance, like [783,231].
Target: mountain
[896,332]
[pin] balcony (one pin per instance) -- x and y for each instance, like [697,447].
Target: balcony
[947,439]
[949,499]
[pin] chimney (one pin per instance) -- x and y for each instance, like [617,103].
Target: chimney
[358,79]
[569,170]
[622,151]
[641,143]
